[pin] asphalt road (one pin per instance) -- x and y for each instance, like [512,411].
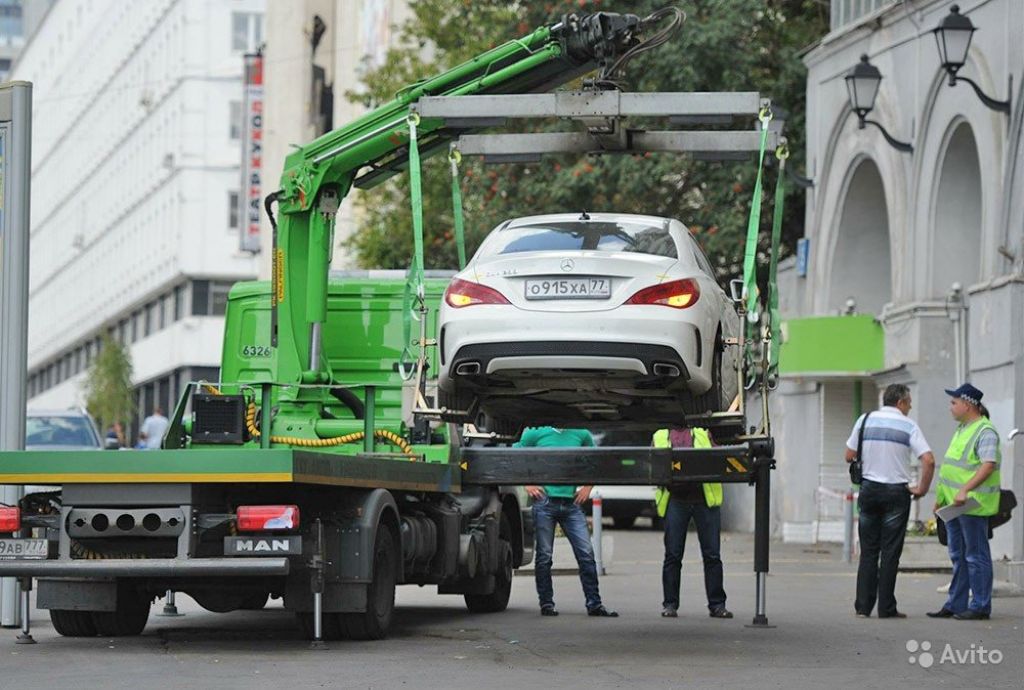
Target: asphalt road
[436,643]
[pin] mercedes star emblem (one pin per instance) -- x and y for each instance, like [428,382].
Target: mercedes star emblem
[568,264]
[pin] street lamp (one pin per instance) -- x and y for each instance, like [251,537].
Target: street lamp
[953,39]
[862,87]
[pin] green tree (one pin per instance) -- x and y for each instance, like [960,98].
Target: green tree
[725,45]
[108,385]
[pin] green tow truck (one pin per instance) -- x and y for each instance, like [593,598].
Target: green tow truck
[301,474]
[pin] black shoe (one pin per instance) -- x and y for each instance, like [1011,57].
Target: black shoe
[894,614]
[549,611]
[721,612]
[863,615]
[669,612]
[941,613]
[602,612]
[971,615]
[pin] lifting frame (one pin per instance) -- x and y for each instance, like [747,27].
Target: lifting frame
[602,115]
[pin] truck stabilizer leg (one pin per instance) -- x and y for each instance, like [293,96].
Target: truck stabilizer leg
[762,515]
[170,607]
[26,611]
[317,582]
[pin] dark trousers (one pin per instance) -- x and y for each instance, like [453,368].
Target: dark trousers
[884,511]
[709,534]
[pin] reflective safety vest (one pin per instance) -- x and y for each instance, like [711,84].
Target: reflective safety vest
[712,490]
[961,463]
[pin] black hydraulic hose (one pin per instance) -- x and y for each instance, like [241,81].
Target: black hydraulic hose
[351,401]
[268,202]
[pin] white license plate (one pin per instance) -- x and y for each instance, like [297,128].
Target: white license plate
[569,288]
[15,549]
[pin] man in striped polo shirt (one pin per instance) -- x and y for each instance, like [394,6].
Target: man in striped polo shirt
[891,440]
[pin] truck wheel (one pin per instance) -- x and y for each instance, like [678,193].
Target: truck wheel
[497,601]
[73,623]
[255,602]
[373,624]
[129,619]
[623,521]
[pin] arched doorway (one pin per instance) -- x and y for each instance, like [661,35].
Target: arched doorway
[956,244]
[861,267]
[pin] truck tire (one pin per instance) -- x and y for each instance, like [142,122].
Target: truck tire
[374,623]
[623,521]
[255,602]
[497,601]
[129,619]
[73,623]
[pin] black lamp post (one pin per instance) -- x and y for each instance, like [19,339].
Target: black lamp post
[862,87]
[953,39]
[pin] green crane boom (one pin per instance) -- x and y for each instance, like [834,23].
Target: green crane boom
[319,175]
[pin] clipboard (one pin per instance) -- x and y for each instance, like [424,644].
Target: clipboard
[951,512]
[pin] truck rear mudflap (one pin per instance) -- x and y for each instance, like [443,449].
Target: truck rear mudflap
[147,567]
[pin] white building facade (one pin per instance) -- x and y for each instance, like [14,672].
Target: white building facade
[929,243]
[135,182]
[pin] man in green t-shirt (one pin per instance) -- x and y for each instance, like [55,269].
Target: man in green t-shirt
[561,505]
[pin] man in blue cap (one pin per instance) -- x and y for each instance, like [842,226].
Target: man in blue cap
[970,470]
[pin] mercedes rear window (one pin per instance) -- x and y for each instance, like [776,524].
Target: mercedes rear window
[620,236]
[59,431]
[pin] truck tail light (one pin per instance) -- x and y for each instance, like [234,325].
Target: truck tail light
[10,519]
[463,293]
[678,294]
[262,518]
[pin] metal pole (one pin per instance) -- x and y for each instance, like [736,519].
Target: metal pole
[762,514]
[15,153]
[170,607]
[26,613]
[369,414]
[848,527]
[265,413]
[317,582]
[598,532]
[314,346]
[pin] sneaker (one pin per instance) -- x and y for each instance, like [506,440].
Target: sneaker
[863,615]
[669,612]
[971,615]
[941,613]
[602,612]
[721,612]
[549,611]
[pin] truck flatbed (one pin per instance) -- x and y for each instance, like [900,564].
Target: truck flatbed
[230,465]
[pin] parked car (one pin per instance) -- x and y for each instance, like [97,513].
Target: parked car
[71,429]
[596,320]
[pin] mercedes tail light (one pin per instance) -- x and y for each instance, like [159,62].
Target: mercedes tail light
[463,293]
[10,519]
[678,294]
[262,518]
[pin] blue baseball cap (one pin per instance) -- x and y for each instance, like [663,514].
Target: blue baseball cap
[967,393]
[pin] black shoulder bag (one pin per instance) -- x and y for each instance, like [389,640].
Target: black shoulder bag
[857,466]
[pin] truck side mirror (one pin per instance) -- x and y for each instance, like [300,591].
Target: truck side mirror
[736,290]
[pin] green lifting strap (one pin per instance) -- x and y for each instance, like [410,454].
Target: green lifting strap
[750,291]
[775,324]
[414,295]
[454,158]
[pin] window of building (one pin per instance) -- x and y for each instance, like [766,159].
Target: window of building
[200,297]
[147,321]
[179,302]
[235,117]
[246,31]
[233,210]
[219,298]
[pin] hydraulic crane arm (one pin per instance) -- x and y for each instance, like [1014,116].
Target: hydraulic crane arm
[319,175]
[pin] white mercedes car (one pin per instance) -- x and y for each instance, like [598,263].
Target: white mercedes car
[600,320]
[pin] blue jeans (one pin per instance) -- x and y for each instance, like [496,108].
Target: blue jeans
[967,537]
[709,534]
[884,511]
[563,511]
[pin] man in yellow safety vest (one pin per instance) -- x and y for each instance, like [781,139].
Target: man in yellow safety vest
[970,470]
[678,505]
